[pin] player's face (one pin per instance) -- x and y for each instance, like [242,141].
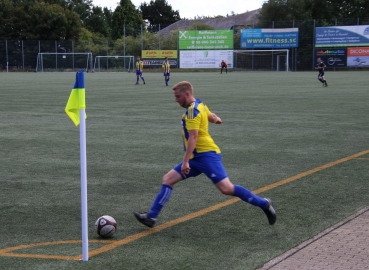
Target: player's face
[182,98]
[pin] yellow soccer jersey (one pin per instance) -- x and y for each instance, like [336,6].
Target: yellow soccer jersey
[196,118]
[139,65]
[166,67]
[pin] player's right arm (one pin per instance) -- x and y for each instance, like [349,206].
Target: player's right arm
[191,145]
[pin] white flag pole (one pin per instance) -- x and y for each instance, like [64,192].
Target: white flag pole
[82,134]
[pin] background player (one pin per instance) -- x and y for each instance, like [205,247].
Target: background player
[202,155]
[223,65]
[321,66]
[166,70]
[139,69]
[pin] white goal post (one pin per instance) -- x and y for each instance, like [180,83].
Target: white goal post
[265,60]
[47,61]
[117,63]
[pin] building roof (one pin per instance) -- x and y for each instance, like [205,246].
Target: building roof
[247,18]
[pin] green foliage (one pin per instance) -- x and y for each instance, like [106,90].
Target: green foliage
[81,7]
[125,14]
[158,12]
[6,18]
[282,10]
[97,22]
[200,26]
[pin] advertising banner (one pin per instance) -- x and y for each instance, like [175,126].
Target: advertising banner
[159,62]
[269,38]
[358,57]
[357,35]
[205,40]
[205,59]
[159,54]
[333,57]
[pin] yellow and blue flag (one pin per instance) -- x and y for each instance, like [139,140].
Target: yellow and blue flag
[76,99]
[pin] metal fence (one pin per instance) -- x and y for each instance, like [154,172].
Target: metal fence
[22,55]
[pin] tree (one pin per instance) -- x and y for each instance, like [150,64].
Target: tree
[157,13]
[126,14]
[97,22]
[283,10]
[82,7]
[6,15]
[40,21]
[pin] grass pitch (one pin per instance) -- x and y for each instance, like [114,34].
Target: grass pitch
[276,126]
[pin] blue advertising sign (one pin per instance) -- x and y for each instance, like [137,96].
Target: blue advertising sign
[357,35]
[267,38]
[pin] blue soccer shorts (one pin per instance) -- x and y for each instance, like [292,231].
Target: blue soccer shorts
[209,163]
[167,74]
[138,72]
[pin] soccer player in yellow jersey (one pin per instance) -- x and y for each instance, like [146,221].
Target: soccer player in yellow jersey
[139,69]
[202,155]
[166,70]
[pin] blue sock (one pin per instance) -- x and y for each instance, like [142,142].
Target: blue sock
[162,197]
[137,80]
[143,79]
[247,196]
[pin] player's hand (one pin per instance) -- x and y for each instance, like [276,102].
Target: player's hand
[218,120]
[185,169]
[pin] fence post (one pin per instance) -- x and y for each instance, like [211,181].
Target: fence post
[56,56]
[159,36]
[22,57]
[107,54]
[7,60]
[141,40]
[313,47]
[124,45]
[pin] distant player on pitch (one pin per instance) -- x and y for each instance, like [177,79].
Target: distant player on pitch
[223,65]
[321,66]
[166,70]
[139,69]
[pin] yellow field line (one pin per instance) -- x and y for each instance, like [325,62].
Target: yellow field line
[218,206]
[114,244]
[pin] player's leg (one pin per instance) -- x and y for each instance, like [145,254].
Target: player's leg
[142,78]
[221,70]
[214,169]
[169,180]
[324,80]
[226,187]
[320,78]
[137,77]
[226,68]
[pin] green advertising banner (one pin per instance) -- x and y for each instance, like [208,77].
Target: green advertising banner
[205,40]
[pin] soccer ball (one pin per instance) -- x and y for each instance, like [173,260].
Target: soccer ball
[105,226]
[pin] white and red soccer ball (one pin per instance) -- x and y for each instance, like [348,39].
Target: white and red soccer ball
[105,226]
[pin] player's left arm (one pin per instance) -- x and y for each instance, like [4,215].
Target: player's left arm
[213,118]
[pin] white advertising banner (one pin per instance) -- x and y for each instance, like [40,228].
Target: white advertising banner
[205,59]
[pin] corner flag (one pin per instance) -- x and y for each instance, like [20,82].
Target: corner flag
[76,99]
[75,109]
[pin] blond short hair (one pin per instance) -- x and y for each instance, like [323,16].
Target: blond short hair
[183,87]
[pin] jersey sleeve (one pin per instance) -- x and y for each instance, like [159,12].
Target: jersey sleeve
[208,112]
[193,120]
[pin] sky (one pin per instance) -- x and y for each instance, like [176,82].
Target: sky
[193,8]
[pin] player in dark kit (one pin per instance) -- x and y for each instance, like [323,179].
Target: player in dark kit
[223,65]
[321,66]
